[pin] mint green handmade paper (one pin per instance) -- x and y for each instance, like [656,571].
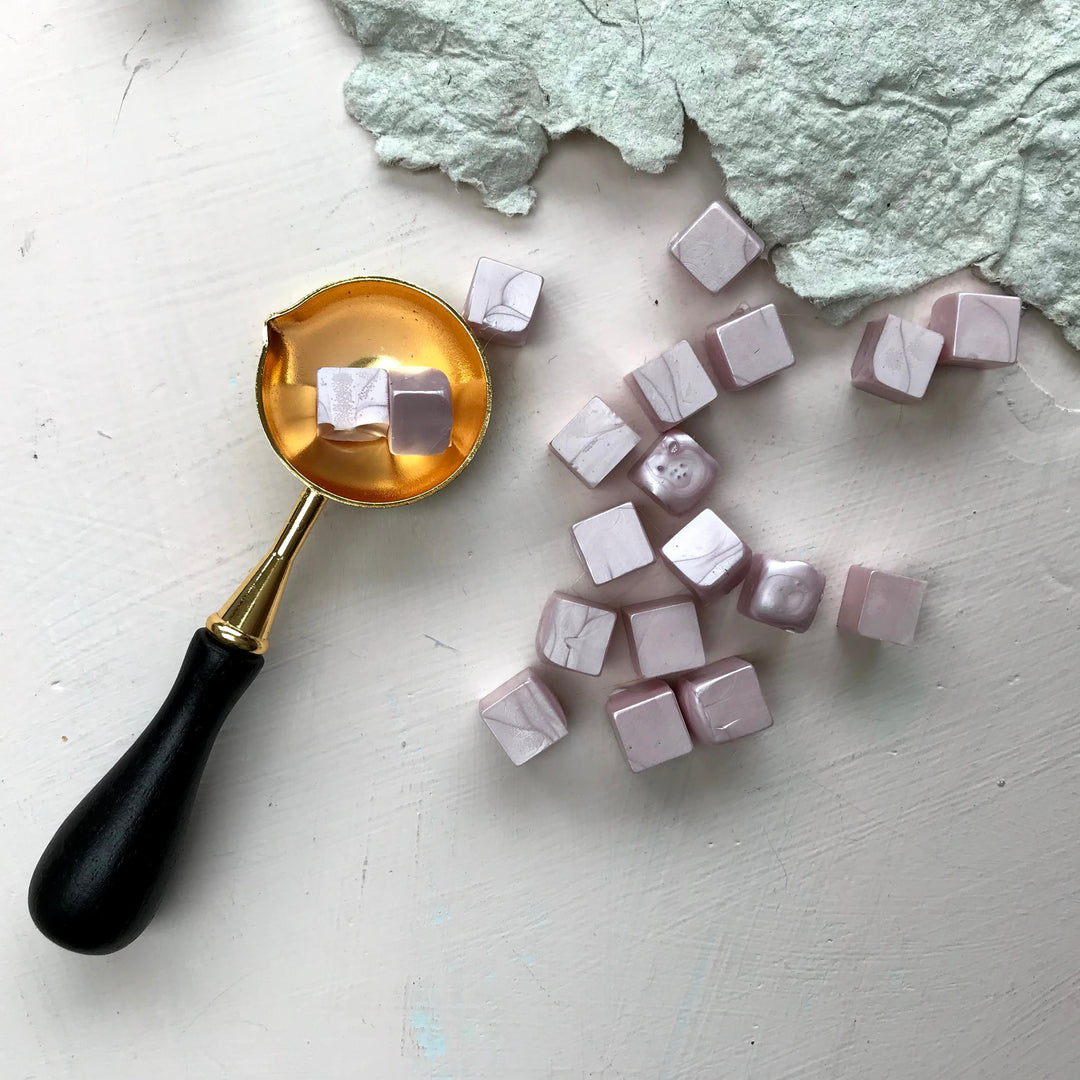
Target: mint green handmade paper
[874,146]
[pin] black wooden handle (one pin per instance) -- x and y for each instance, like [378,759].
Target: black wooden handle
[98,883]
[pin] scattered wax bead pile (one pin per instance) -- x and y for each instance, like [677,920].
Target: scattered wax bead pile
[680,693]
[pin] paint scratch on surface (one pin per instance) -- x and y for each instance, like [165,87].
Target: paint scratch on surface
[441,644]
[140,66]
[124,59]
[27,244]
[176,61]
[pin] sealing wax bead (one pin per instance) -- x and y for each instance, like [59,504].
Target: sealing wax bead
[673,386]
[352,403]
[881,606]
[524,715]
[676,472]
[717,246]
[782,594]
[647,722]
[723,701]
[707,556]
[748,347]
[980,329]
[664,636]
[612,543]
[896,359]
[575,634]
[594,442]
[421,411]
[501,302]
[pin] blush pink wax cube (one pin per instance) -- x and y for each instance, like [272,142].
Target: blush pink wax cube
[575,634]
[648,724]
[896,359]
[501,302]
[664,636]
[782,594]
[980,329]
[421,411]
[881,606]
[673,386]
[723,701]
[707,556]
[524,715]
[594,442]
[676,472]
[717,246]
[612,543]
[748,347]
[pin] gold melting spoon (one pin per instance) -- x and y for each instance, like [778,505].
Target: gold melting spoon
[98,883]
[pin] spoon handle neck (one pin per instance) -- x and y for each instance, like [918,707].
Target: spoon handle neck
[245,620]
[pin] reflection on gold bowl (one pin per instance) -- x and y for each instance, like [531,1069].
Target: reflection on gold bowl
[368,321]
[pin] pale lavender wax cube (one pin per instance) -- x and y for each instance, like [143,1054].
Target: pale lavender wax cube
[421,411]
[980,329]
[782,594]
[896,359]
[524,715]
[612,543]
[664,636]
[594,442]
[881,606]
[575,634]
[707,556]
[501,301]
[723,701]
[648,724]
[717,246]
[676,472]
[748,347]
[673,386]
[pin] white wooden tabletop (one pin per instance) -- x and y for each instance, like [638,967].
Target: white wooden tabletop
[883,885]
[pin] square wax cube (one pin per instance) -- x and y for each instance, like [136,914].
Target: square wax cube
[980,329]
[524,715]
[717,246]
[648,724]
[748,347]
[421,411]
[707,556]
[575,634]
[673,386]
[501,302]
[881,606]
[664,636]
[352,404]
[896,359]
[612,543]
[594,442]
[723,701]
[779,593]
[676,472]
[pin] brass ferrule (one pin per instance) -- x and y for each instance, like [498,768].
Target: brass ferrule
[245,620]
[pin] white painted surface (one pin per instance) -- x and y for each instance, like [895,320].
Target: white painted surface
[884,885]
